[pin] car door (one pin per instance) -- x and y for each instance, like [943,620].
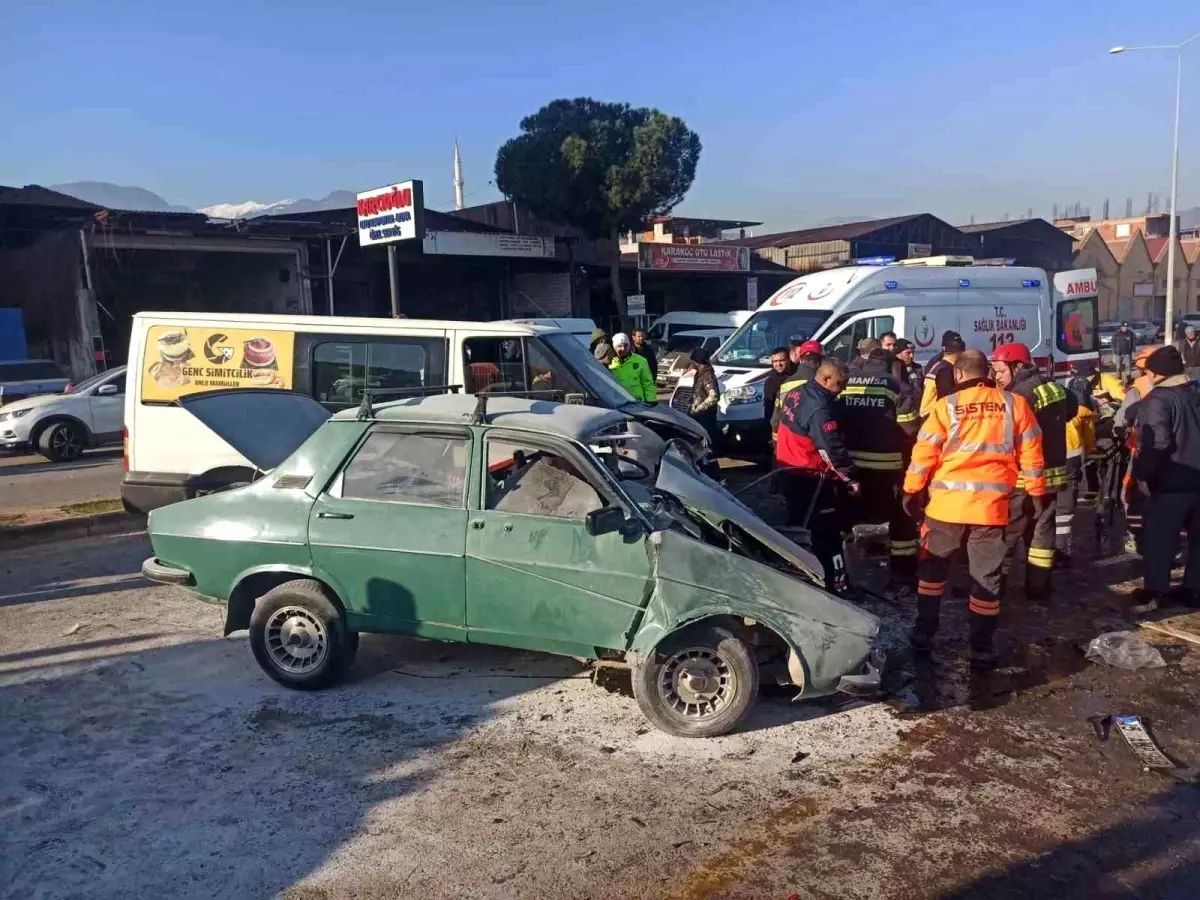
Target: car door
[389,530]
[107,402]
[535,577]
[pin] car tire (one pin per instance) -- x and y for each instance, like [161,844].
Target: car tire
[62,442]
[299,637]
[700,682]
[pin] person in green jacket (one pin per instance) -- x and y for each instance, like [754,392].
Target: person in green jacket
[631,370]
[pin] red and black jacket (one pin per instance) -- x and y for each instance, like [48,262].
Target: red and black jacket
[808,425]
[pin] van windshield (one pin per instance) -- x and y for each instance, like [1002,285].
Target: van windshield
[751,345]
[596,379]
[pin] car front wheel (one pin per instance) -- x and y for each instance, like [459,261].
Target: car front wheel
[700,682]
[299,637]
[62,442]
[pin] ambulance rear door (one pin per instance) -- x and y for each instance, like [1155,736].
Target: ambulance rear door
[1073,318]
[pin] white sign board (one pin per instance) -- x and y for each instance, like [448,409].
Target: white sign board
[395,212]
[752,292]
[470,243]
[919,251]
[636,304]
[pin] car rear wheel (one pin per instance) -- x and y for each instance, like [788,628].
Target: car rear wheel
[699,683]
[62,442]
[299,637]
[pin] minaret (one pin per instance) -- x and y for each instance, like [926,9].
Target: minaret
[458,179]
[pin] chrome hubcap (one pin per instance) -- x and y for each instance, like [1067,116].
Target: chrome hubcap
[296,640]
[697,683]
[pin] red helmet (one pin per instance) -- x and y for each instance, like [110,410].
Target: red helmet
[1012,353]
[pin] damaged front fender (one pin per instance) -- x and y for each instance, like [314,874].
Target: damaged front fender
[827,638]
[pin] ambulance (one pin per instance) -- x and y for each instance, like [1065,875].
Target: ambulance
[919,299]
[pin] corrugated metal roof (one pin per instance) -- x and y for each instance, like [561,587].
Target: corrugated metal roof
[844,232]
[36,195]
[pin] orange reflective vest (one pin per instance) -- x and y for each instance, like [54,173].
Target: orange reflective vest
[969,452]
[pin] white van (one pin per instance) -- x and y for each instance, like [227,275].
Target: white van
[580,329]
[666,326]
[170,456]
[918,300]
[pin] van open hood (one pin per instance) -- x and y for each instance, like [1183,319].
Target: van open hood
[707,499]
[265,425]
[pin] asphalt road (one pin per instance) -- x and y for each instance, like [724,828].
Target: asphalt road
[146,756]
[33,482]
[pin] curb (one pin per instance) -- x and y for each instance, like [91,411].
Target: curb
[73,527]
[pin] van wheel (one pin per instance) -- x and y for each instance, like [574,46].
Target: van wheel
[299,637]
[62,442]
[700,682]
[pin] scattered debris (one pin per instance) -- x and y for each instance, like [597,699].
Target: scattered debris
[1185,627]
[608,749]
[800,756]
[74,629]
[1124,650]
[1141,743]
[637,821]
[545,717]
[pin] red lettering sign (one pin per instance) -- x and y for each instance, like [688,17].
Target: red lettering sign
[1081,287]
[393,199]
[693,257]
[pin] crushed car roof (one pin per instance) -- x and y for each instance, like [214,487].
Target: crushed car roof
[570,420]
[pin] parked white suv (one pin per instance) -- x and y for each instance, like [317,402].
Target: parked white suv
[62,426]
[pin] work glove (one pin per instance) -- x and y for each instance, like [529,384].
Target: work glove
[912,505]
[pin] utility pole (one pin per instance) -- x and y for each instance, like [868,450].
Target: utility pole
[393,280]
[458,179]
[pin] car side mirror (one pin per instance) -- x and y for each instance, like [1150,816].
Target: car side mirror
[106,390]
[605,520]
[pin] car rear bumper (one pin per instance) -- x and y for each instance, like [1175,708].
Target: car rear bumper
[142,492]
[154,569]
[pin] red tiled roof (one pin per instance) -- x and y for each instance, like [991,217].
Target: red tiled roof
[1156,247]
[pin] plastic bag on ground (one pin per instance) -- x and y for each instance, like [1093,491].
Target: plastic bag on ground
[1124,650]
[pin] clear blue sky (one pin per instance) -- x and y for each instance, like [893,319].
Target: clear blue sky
[806,110]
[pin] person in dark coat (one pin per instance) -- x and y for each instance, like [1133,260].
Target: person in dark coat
[816,468]
[643,349]
[911,372]
[1189,349]
[706,393]
[1167,471]
[1124,342]
[781,370]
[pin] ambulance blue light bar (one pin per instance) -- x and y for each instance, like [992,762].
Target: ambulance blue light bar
[1031,282]
[874,260]
[964,282]
[890,285]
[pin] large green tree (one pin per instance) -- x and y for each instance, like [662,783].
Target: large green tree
[603,167]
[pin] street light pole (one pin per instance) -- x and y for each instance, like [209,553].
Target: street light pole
[1173,232]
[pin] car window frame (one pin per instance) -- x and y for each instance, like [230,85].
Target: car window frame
[585,462]
[336,481]
[307,342]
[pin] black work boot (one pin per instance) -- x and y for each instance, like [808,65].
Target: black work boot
[982,635]
[1145,602]
[928,612]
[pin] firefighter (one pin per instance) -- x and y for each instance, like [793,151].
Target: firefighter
[805,358]
[1081,445]
[969,453]
[1054,407]
[939,379]
[879,416]
[814,469]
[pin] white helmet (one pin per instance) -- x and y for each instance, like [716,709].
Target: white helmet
[621,338]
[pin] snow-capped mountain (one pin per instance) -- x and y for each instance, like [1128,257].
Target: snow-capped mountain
[246,210]
[251,208]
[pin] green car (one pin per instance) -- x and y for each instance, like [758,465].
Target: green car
[544,526]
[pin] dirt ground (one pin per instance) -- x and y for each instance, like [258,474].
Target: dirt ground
[145,756]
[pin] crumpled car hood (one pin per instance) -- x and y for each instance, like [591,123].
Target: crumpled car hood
[706,498]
